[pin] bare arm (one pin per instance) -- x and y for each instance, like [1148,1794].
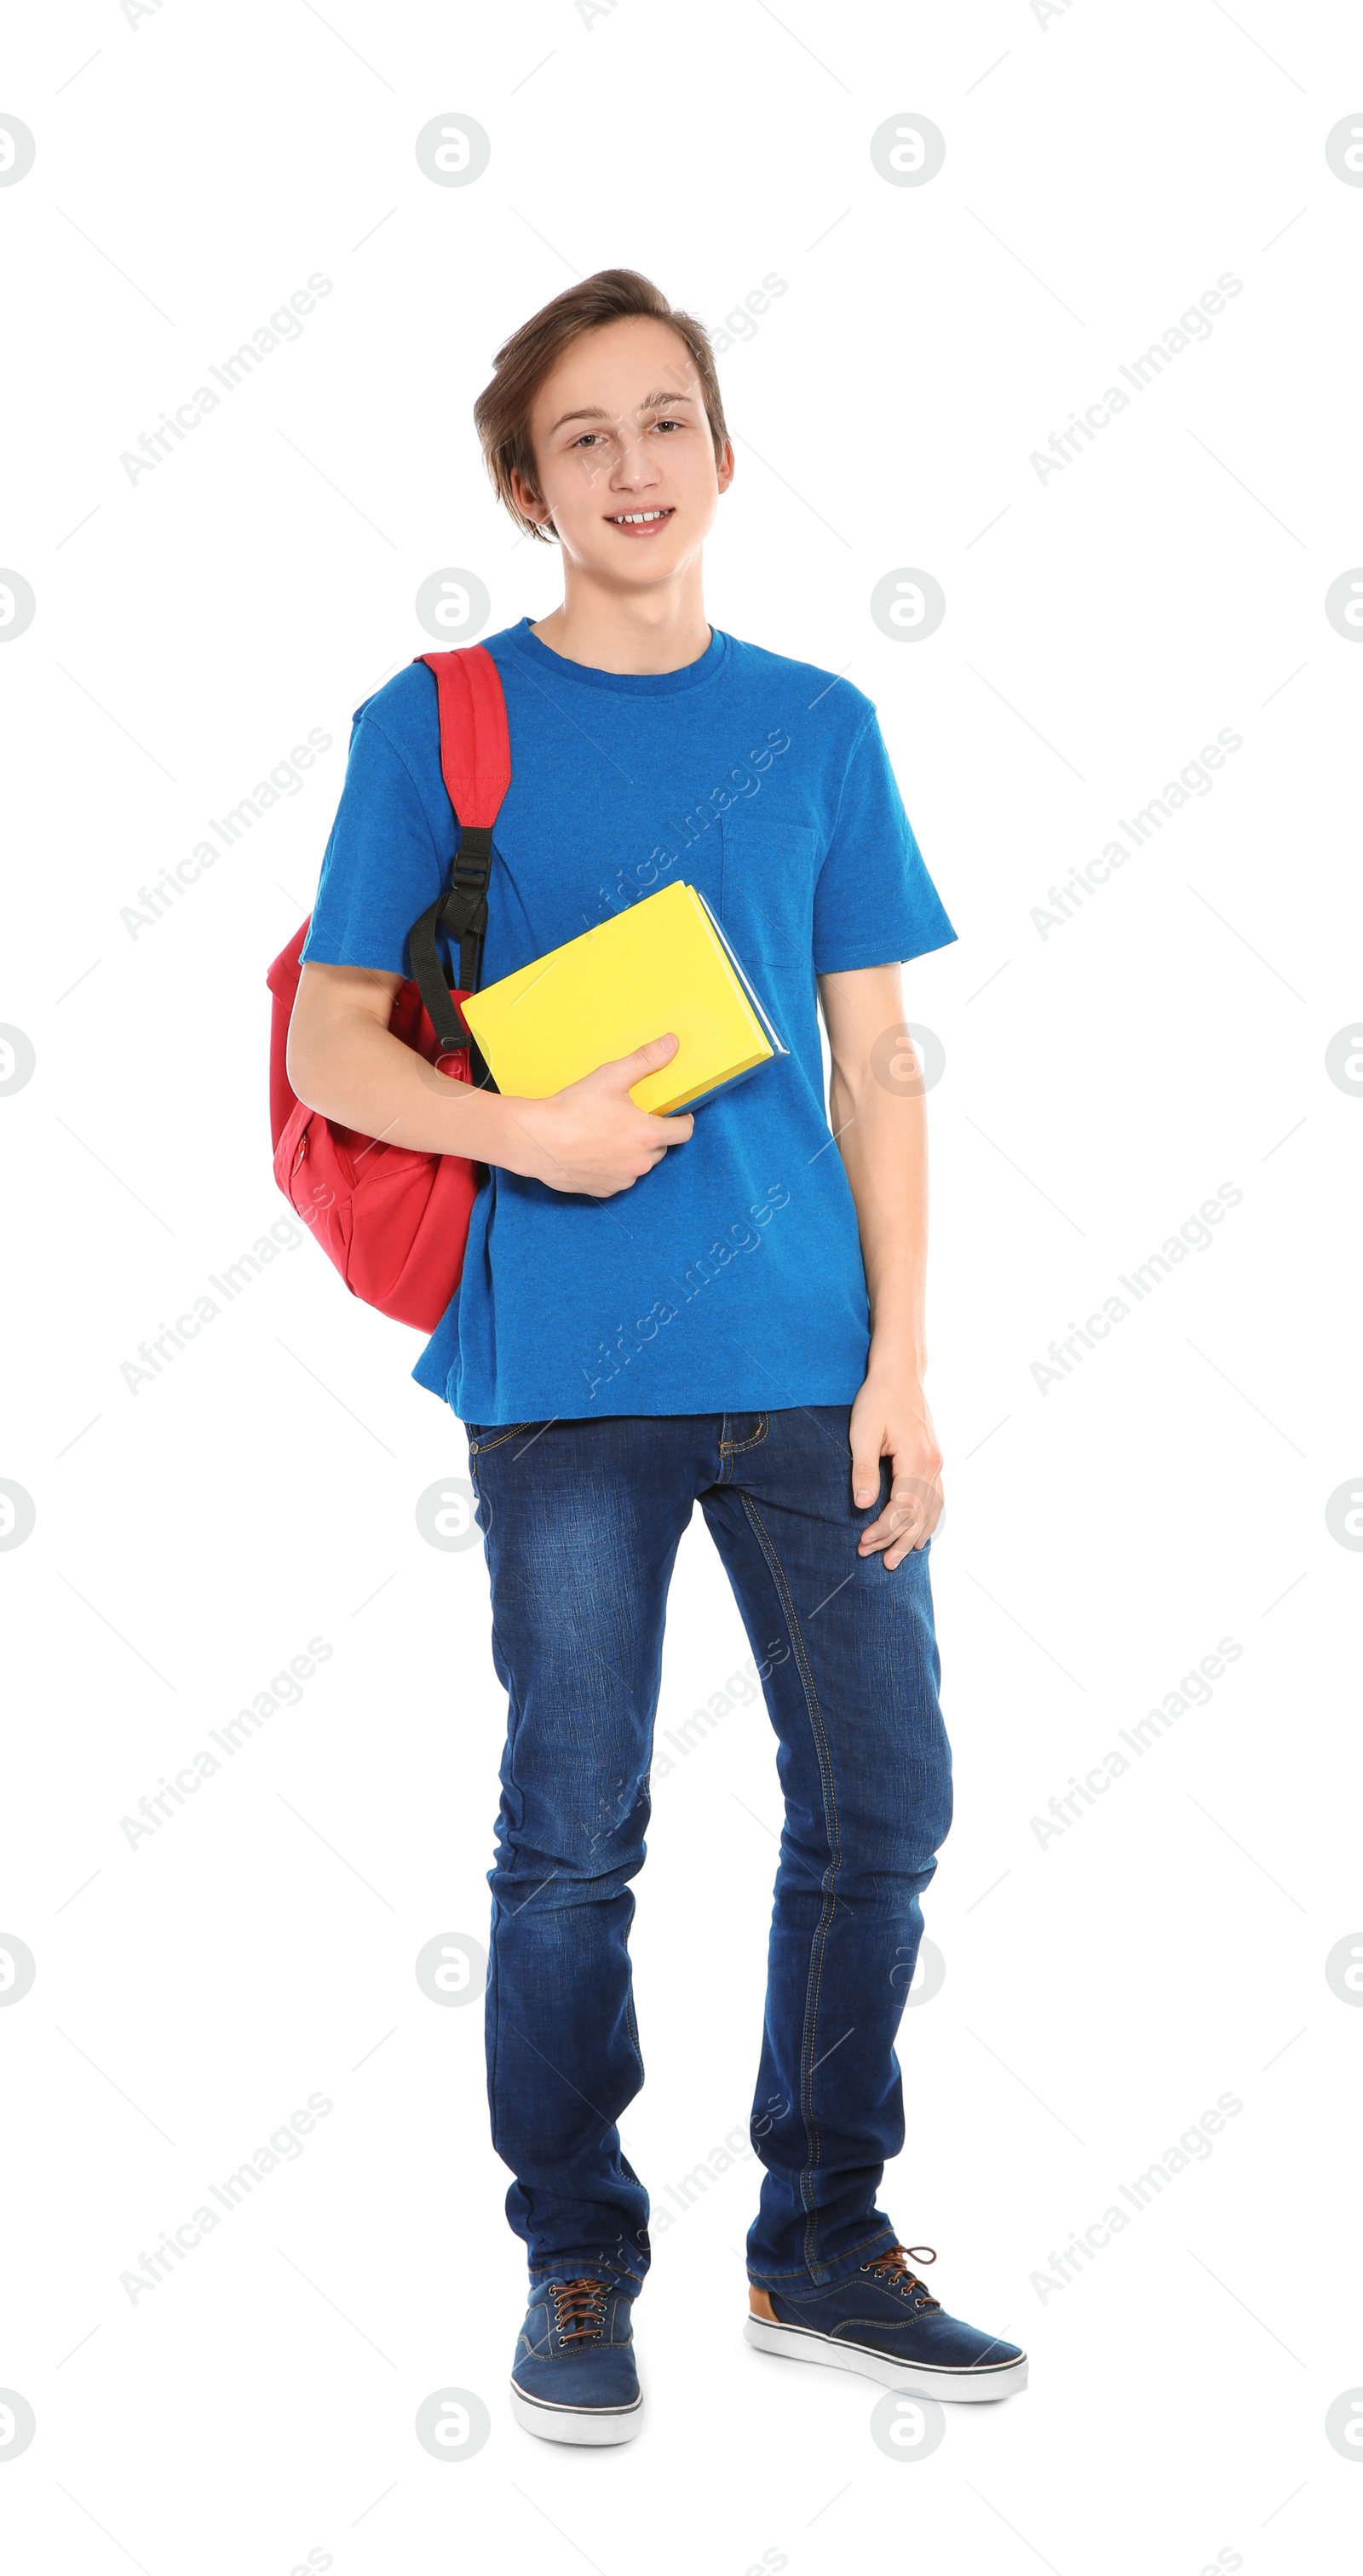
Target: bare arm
[881,1128]
[346,1064]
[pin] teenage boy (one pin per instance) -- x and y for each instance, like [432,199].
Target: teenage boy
[724,1307]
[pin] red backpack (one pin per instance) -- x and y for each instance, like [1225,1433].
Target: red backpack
[396,1222]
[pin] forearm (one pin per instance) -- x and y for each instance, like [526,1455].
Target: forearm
[587,1140]
[375,1084]
[882,1137]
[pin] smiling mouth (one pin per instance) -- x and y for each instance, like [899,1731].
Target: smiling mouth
[639,523]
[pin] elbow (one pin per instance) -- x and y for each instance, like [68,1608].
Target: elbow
[298,1068]
[306,1065]
[844,1097]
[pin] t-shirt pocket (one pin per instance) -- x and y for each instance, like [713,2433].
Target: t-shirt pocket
[767,889]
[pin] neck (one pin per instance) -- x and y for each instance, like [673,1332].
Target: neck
[639,631]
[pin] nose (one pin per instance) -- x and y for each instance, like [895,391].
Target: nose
[632,466]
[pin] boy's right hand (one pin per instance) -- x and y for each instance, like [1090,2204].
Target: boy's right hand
[590,1138]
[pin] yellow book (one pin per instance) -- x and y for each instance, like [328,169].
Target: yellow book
[664,964]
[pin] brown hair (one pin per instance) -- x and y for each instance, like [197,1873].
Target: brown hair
[502,412]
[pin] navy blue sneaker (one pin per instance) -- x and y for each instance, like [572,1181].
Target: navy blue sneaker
[573,2378]
[882,2322]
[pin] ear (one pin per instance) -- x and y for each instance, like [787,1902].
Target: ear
[724,471]
[527,499]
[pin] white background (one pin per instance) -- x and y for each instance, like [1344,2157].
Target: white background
[1101,171]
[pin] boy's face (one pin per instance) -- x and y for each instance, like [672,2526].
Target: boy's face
[626,462]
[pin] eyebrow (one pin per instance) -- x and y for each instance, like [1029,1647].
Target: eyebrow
[592,411]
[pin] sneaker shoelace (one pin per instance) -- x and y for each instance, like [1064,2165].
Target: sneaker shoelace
[892,2270]
[579,2309]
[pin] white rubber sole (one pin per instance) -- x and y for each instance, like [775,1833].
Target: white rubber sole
[589,2424]
[949,2387]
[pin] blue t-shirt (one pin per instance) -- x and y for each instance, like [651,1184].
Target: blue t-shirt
[730,1278]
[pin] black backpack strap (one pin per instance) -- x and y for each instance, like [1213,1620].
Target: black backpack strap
[461,913]
[475,764]
[428,977]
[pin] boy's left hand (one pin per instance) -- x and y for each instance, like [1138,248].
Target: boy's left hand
[890,1419]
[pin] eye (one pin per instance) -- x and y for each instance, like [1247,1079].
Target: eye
[669,424]
[588,438]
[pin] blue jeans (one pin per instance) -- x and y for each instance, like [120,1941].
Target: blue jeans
[581,1522]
